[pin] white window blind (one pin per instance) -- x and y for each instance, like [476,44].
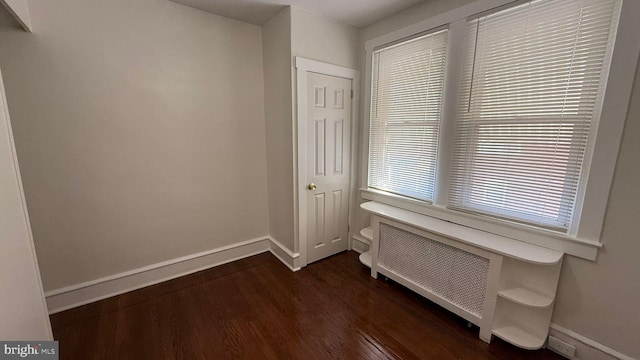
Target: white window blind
[406,102]
[530,95]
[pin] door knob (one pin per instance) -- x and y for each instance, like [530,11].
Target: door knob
[311,186]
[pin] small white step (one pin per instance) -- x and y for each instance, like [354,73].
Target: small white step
[365,258]
[526,297]
[367,233]
[519,337]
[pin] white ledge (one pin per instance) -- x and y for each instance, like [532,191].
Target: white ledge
[495,243]
[367,233]
[567,244]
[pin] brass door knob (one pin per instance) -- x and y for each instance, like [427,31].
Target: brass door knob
[311,186]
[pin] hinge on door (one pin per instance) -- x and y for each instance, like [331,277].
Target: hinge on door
[352,93]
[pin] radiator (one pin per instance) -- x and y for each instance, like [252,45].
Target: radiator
[453,274]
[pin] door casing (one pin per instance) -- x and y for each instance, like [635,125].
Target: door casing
[23,300]
[303,66]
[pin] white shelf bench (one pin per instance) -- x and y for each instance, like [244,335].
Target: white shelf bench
[505,286]
[365,257]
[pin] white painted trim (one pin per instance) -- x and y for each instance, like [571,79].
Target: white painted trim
[353,185]
[290,265]
[286,256]
[302,67]
[609,132]
[584,345]
[326,69]
[286,250]
[12,146]
[84,293]
[19,9]
[300,208]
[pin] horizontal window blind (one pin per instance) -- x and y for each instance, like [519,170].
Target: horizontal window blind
[406,102]
[530,95]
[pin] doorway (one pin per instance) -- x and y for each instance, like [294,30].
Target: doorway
[326,144]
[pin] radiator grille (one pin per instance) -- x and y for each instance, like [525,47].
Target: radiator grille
[453,274]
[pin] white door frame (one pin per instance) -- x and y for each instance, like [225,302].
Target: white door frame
[26,304]
[303,66]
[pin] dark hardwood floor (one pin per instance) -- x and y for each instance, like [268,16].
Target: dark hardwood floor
[257,308]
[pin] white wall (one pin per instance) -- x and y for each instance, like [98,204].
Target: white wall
[322,39]
[276,45]
[140,130]
[599,300]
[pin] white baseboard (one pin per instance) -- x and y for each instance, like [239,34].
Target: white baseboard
[91,291]
[586,349]
[285,255]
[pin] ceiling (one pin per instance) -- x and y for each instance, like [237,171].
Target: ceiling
[358,13]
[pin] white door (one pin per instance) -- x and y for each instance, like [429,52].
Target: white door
[23,312]
[328,162]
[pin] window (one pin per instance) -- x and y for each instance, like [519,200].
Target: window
[406,104]
[530,94]
[511,142]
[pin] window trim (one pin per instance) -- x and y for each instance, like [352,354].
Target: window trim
[583,238]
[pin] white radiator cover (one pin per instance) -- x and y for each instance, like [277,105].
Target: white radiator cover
[505,287]
[453,274]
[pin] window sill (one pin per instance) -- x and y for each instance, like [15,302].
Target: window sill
[495,243]
[510,231]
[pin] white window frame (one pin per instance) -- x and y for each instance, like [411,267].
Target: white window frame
[583,239]
[388,125]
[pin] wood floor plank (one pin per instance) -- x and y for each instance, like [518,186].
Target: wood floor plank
[256,308]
